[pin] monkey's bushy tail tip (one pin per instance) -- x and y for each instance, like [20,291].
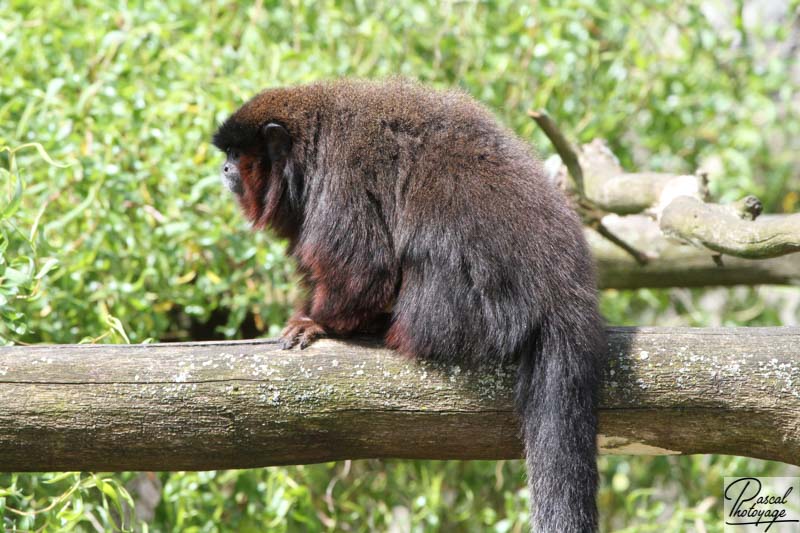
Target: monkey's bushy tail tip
[557,393]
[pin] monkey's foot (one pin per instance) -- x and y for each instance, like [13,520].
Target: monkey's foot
[300,330]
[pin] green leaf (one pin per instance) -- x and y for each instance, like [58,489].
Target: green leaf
[50,263]
[15,200]
[13,276]
[51,479]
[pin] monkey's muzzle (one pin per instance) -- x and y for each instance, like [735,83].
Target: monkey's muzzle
[231,177]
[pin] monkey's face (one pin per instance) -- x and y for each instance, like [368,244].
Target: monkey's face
[265,148]
[231,175]
[257,169]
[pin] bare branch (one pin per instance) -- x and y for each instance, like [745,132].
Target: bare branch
[678,201]
[640,257]
[717,228]
[562,146]
[586,208]
[675,264]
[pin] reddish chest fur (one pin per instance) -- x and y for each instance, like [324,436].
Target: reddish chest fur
[255,187]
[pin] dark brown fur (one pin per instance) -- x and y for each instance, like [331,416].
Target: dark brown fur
[397,197]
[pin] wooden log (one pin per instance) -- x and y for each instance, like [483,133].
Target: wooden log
[202,406]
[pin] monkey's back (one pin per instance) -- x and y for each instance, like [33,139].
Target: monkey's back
[484,243]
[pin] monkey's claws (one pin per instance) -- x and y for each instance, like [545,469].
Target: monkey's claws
[300,330]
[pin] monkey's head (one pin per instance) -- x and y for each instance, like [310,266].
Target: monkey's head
[259,167]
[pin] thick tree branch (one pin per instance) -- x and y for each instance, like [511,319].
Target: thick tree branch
[247,404]
[674,264]
[719,228]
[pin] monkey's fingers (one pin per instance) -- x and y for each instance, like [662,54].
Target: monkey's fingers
[289,337]
[302,330]
[311,333]
[290,334]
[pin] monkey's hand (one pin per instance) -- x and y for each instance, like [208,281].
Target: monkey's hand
[300,329]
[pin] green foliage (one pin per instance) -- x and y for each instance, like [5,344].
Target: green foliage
[21,271]
[77,501]
[136,240]
[132,97]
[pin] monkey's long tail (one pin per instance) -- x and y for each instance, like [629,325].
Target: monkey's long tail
[557,398]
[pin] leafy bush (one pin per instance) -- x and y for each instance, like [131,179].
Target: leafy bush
[136,240]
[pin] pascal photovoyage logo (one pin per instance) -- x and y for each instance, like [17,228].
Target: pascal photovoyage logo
[762,504]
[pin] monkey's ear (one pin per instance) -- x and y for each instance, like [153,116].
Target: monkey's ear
[278,141]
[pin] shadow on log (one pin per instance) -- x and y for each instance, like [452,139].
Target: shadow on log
[202,406]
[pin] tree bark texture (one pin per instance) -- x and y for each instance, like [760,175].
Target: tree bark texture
[201,406]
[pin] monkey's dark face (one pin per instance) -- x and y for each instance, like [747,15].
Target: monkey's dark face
[257,169]
[231,175]
[238,141]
